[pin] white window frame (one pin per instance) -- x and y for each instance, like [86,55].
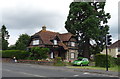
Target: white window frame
[72,55]
[51,55]
[55,42]
[35,42]
[72,44]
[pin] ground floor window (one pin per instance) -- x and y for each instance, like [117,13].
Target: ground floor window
[51,55]
[72,55]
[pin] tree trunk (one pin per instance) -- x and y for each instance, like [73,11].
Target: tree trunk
[86,52]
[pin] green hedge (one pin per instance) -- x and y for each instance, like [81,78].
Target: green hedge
[19,54]
[100,60]
[117,61]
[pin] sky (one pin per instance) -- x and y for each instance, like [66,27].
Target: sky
[28,16]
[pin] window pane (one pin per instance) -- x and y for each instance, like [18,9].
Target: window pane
[118,49]
[72,55]
[35,42]
[72,43]
[55,42]
[51,55]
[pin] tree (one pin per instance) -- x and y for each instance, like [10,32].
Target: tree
[5,36]
[39,53]
[88,21]
[12,47]
[22,42]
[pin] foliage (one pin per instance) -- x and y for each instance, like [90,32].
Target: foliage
[5,35]
[19,54]
[39,53]
[117,61]
[4,44]
[22,42]
[88,21]
[58,61]
[12,47]
[100,60]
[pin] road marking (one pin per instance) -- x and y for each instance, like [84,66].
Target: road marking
[75,75]
[113,76]
[86,73]
[31,74]
[6,69]
[99,74]
[24,73]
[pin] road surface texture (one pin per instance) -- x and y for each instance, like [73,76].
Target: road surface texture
[33,70]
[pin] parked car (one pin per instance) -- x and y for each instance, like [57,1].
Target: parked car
[81,62]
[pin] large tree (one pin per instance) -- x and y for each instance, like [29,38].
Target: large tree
[88,21]
[4,37]
[22,42]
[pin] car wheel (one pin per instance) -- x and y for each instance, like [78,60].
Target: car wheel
[81,64]
[87,64]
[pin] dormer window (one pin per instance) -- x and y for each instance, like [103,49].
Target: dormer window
[72,44]
[55,42]
[35,42]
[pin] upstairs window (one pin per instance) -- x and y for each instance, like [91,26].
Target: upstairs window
[72,44]
[55,42]
[118,49]
[35,42]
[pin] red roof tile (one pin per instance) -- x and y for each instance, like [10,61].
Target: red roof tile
[116,44]
[47,36]
[65,36]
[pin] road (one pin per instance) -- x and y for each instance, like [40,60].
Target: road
[33,70]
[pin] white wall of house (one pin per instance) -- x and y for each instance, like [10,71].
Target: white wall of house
[112,52]
[72,55]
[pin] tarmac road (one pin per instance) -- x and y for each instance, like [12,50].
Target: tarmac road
[33,70]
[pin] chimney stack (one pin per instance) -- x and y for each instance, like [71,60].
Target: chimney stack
[44,28]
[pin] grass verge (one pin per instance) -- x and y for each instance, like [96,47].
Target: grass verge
[115,68]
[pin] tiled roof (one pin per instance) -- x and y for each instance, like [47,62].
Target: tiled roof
[47,36]
[65,36]
[63,45]
[116,44]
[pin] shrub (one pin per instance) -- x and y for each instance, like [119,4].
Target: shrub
[39,53]
[100,60]
[15,53]
[117,61]
[58,61]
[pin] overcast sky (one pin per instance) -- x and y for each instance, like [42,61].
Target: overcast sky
[28,16]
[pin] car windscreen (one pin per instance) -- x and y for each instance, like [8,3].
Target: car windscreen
[80,59]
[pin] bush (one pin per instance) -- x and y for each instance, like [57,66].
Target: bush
[117,61]
[58,61]
[15,53]
[39,53]
[100,60]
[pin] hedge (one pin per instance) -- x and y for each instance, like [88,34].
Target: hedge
[100,60]
[117,61]
[19,54]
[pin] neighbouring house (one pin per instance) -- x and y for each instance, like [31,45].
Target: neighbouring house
[60,45]
[113,50]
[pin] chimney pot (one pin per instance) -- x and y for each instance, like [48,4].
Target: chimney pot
[44,27]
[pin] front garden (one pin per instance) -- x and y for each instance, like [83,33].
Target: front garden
[39,55]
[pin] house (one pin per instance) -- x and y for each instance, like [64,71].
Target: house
[113,50]
[60,45]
